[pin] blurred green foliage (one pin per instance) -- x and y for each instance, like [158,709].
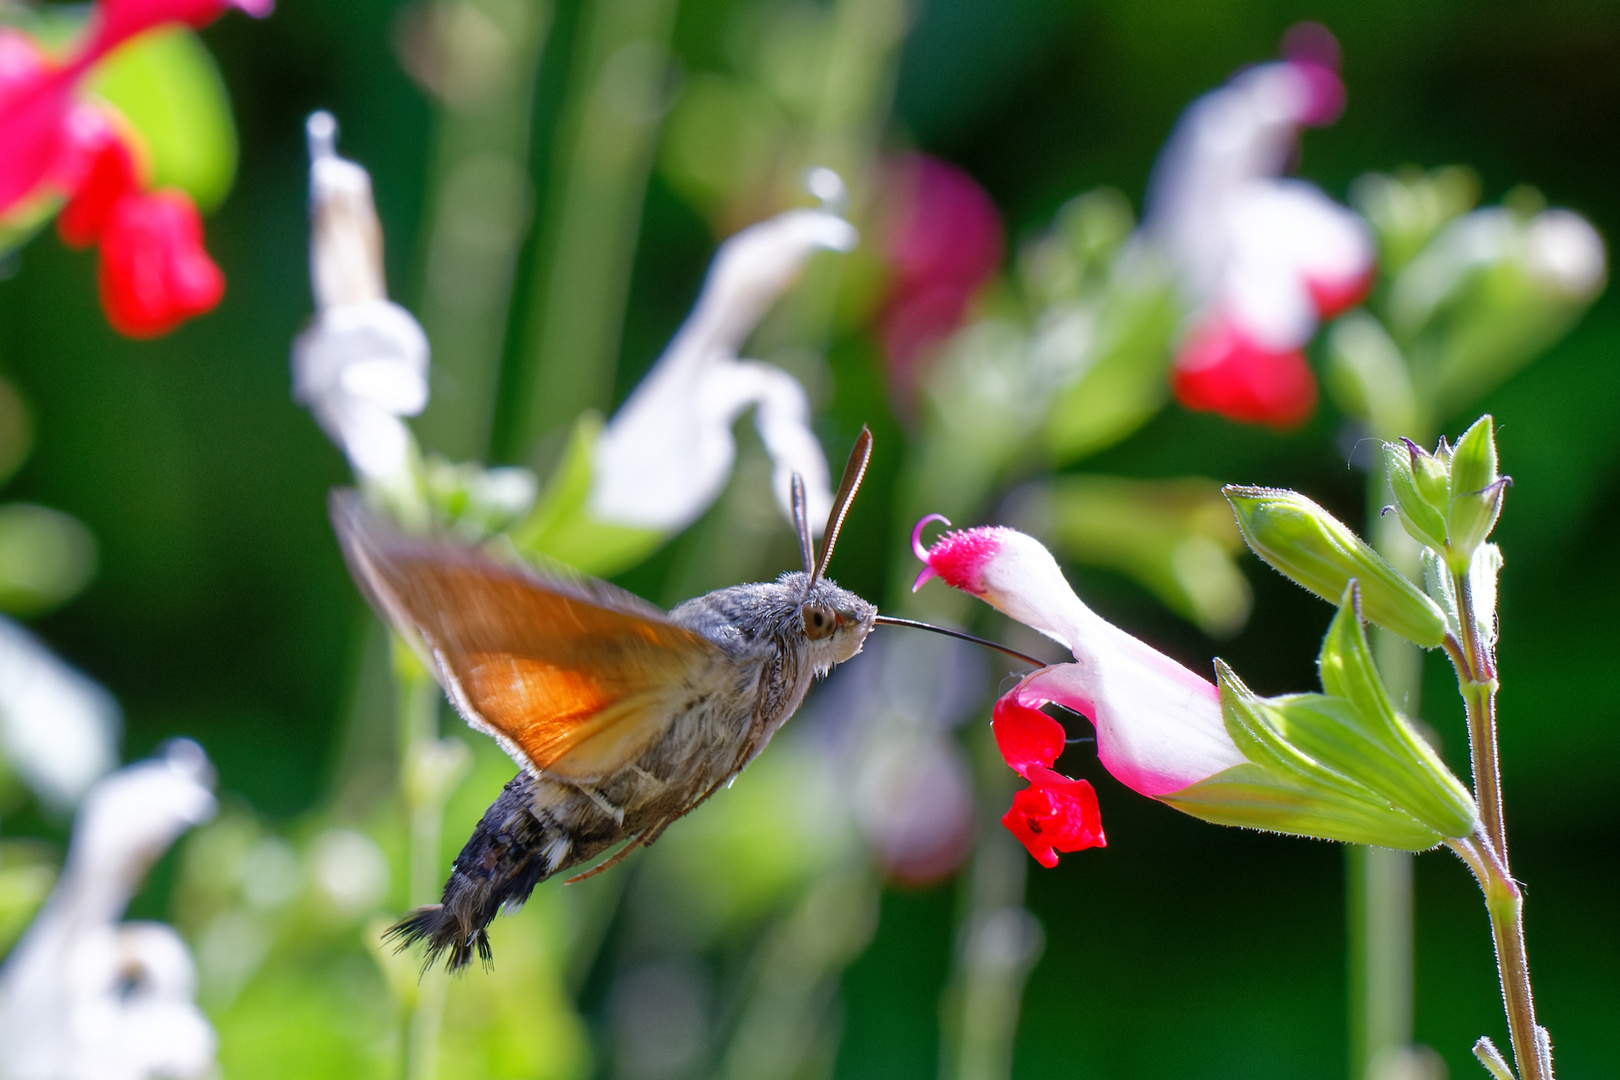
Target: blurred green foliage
[221,609]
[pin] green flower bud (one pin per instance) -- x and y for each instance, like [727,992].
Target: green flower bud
[1431,472]
[1316,550]
[1476,492]
[1421,519]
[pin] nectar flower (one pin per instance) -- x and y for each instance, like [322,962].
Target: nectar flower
[83,997]
[363,363]
[666,454]
[1261,259]
[1159,726]
[154,272]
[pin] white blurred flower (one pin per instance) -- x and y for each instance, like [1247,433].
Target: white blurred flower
[362,364]
[58,729]
[1558,250]
[1261,259]
[83,997]
[666,454]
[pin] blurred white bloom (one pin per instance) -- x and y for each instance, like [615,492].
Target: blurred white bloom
[85,998]
[58,729]
[350,869]
[1558,250]
[1233,229]
[666,454]
[362,364]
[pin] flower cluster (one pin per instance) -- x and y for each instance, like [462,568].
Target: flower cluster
[1261,259]
[153,273]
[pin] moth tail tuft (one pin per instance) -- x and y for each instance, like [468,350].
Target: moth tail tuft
[442,932]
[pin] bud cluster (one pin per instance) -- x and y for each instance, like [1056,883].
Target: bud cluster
[1449,500]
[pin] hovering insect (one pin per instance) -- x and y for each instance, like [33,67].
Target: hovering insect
[623,717]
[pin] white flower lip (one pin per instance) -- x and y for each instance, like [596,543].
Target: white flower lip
[58,729]
[363,362]
[666,454]
[83,997]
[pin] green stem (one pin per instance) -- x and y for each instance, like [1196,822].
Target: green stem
[1476,678]
[603,158]
[1379,881]
[418,725]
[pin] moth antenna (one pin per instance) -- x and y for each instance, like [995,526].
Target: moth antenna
[890,620]
[854,473]
[801,525]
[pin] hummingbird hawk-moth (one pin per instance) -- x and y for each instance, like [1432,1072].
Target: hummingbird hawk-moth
[622,717]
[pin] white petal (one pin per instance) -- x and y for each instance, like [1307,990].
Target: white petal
[377,442]
[782,415]
[1562,249]
[666,454]
[345,254]
[58,729]
[376,351]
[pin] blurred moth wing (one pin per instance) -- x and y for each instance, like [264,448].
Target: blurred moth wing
[573,677]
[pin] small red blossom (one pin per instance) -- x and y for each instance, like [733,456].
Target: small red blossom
[154,271]
[110,174]
[1221,369]
[1055,814]
[1026,737]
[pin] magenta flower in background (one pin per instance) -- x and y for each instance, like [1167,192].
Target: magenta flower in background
[1159,726]
[1261,259]
[154,272]
[943,241]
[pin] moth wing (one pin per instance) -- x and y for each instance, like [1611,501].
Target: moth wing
[571,676]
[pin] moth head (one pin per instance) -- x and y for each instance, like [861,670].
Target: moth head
[835,623]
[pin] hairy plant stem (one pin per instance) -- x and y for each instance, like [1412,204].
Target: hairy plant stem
[1486,854]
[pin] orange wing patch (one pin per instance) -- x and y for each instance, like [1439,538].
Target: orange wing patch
[571,677]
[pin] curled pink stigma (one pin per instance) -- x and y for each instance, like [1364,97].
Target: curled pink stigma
[916,534]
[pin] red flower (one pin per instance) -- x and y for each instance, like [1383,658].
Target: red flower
[154,271]
[57,145]
[1224,370]
[1055,814]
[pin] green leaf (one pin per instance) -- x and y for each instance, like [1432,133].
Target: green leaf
[560,526]
[167,86]
[1284,790]
[1317,551]
[45,558]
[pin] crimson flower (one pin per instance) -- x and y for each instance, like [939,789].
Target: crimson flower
[1054,813]
[154,272]
[942,240]
[1159,726]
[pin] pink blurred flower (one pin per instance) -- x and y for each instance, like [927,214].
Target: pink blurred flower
[1159,726]
[943,241]
[57,145]
[1261,259]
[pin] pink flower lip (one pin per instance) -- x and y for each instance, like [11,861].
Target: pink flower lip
[1335,296]
[1223,370]
[957,558]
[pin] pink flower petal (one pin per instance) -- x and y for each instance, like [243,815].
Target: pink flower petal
[155,273]
[1221,369]
[1055,814]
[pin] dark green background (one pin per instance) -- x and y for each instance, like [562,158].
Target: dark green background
[222,611]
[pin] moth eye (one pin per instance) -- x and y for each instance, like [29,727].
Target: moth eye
[819,622]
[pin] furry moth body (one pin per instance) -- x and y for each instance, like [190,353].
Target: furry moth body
[623,717]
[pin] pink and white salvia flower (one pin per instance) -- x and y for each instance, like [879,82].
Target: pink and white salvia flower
[1159,725]
[1261,259]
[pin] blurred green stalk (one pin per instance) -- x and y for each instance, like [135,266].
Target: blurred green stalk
[574,318]
[1379,880]
[482,59]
